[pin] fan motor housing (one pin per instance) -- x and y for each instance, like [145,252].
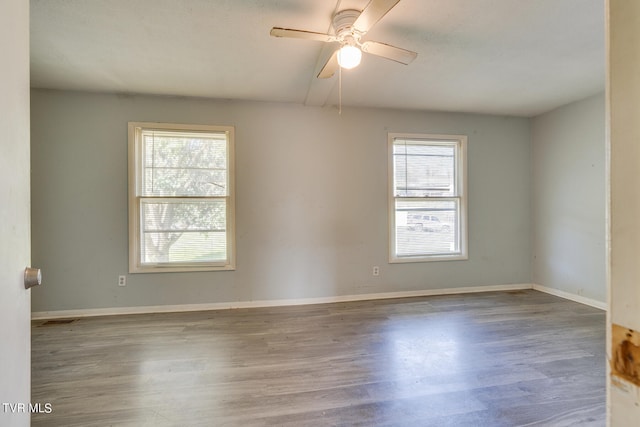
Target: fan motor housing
[343,21]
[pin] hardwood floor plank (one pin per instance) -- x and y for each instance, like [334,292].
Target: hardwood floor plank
[494,359]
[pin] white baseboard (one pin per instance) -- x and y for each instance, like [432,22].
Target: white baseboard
[573,297]
[111,311]
[60,314]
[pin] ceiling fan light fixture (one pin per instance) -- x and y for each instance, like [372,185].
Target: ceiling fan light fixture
[349,56]
[349,26]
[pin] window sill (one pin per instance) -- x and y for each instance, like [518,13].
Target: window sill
[179,269]
[429,258]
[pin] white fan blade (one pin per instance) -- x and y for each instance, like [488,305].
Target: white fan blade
[387,51]
[301,34]
[371,14]
[330,67]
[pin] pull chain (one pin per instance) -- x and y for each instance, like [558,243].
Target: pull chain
[339,90]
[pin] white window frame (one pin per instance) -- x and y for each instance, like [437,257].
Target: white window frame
[460,196]
[135,167]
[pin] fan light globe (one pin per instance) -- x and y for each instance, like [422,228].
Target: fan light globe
[349,57]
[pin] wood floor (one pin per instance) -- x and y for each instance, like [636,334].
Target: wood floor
[519,358]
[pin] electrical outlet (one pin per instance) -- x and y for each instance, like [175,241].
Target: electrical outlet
[122,280]
[376,270]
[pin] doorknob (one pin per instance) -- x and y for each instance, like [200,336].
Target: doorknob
[32,277]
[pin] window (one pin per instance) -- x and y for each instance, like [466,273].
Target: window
[427,197]
[181,198]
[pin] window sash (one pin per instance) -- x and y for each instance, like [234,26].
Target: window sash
[161,175]
[187,248]
[434,159]
[427,227]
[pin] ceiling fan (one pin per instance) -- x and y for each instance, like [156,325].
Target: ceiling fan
[349,27]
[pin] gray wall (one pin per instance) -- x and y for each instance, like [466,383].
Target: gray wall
[311,201]
[568,199]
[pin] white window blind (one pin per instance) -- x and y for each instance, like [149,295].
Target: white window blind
[427,201]
[181,213]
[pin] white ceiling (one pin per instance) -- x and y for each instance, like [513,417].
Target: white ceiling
[512,57]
